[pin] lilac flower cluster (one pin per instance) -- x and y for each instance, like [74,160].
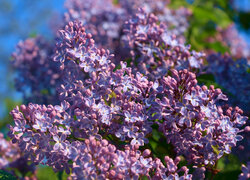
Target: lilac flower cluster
[44,134]
[193,123]
[233,76]
[106,114]
[37,75]
[104,110]
[176,20]
[40,132]
[154,51]
[8,151]
[104,101]
[245,172]
[11,159]
[105,23]
[101,160]
[239,48]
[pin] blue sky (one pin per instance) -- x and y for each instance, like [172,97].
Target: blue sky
[243,5]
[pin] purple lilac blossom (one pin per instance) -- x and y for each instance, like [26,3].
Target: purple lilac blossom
[239,48]
[37,75]
[8,151]
[105,23]
[233,76]
[154,51]
[102,103]
[13,161]
[90,158]
[245,172]
[198,128]
[101,160]
[176,19]
[59,139]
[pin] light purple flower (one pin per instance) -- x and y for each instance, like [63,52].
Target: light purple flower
[60,144]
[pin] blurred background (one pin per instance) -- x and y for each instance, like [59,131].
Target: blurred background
[21,19]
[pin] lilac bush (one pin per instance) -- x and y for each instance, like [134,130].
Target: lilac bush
[12,159]
[230,36]
[37,75]
[230,74]
[100,103]
[154,51]
[106,23]
[245,172]
[103,21]
[193,123]
[115,75]
[176,19]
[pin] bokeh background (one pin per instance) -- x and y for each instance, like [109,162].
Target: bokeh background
[20,19]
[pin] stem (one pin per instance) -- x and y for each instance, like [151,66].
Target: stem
[59,175]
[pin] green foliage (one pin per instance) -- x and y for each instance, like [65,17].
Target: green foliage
[47,173]
[229,166]
[6,176]
[208,80]
[158,145]
[206,17]
[9,105]
[244,19]
[116,1]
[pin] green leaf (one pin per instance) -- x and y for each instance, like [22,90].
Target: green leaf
[44,92]
[6,176]
[227,175]
[206,14]
[218,47]
[229,166]
[115,1]
[47,173]
[60,175]
[208,80]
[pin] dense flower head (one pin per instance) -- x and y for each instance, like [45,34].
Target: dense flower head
[245,172]
[12,159]
[193,123]
[233,76]
[37,75]
[8,151]
[73,42]
[101,160]
[175,19]
[231,38]
[44,135]
[108,101]
[40,132]
[106,23]
[105,112]
[154,51]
